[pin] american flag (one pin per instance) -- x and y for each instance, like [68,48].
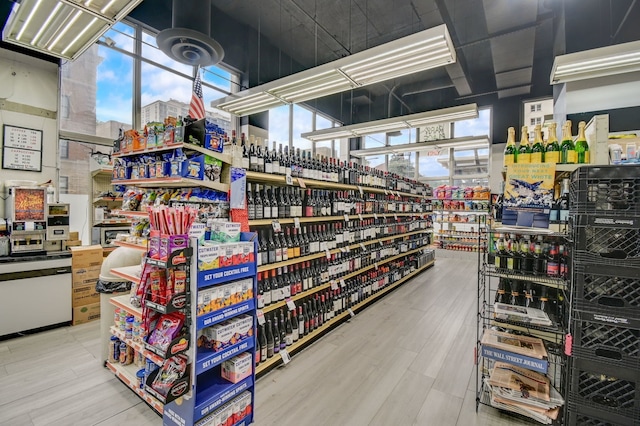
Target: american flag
[196,109]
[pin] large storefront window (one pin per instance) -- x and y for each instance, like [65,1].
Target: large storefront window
[302,123]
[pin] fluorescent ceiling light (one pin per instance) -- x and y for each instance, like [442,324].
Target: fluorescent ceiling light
[63,28]
[604,61]
[417,52]
[445,115]
[469,142]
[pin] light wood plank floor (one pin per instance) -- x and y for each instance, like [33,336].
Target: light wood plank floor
[405,360]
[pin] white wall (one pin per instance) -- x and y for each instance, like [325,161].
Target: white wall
[604,93]
[497,162]
[30,82]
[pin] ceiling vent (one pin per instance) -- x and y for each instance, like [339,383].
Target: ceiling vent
[188,40]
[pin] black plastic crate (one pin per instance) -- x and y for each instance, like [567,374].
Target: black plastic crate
[606,387]
[612,240]
[607,290]
[616,345]
[579,415]
[612,190]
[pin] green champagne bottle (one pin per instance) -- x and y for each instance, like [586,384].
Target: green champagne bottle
[510,151]
[567,149]
[537,151]
[582,147]
[553,147]
[524,150]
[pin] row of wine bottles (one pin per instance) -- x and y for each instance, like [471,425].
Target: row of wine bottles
[565,152]
[525,255]
[280,283]
[530,295]
[283,202]
[258,158]
[283,329]
[289,244]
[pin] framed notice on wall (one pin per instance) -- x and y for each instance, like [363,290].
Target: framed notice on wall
[21,148]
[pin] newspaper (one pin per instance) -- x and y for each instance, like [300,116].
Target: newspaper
[524,345]
[505,312]
[520,383]
[547,417]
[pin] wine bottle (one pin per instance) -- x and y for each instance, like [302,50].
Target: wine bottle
[301,329]
[288,330]
[272,248]
[274,203]
[524,150]
[582,147]
[281,161]
[262,340]
[253,155]
[552,154]
[283,332]
[567,148]
[245,152]
[259,154]
[510,151]
[251,206]
[294,326]
[276,335]
[537,151]
[270,340]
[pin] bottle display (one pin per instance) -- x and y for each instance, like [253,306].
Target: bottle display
[524,149]
[510,151]
[552,153]
[581,145]
[567,148]
[538,149]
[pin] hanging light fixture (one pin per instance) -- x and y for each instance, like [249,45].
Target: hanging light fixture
[445,115]
[63,28]
[417,52]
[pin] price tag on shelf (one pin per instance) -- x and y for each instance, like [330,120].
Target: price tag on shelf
[348,249]
[276,226]
[343,250]
[360,216]
[301,183]
[327,253]
[288,179]
[395,216]
[375,216]
[351,312]
[361,191]
[381,244]
[363,247]
[334,285]
[260,316]
[346,218]
[398,194]
[296,222]
[291,304]
[386,192]
[285,356]
[376,265]
[342,283]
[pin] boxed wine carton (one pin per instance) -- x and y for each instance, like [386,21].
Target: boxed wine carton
[237,368]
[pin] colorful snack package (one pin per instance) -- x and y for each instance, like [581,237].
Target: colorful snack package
[171,371]
[166,329]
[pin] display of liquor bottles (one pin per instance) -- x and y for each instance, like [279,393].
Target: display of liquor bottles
[527,255]
[552,154]
[567,149]
[581,146]
[524,149]
[510,151]
[537,151]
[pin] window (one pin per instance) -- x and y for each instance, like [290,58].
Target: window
[533,108]
[302,123]
[64,106]
[402,136]
[434,163]
[476,127]
[375,141]
[403,164]
[470,161]
[63,184]
[322,123]
[376,162]
[533,122]
[279,124]
[63,146]
[538,107]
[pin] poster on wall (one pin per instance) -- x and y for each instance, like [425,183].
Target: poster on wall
[21,148]
[528,195]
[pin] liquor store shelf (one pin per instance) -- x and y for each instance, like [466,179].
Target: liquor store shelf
[325,286]
[225,158]
[554,282]
[313,256]
[273,179]
[173,182]
[289,220]
[482,212]
[136,246]
[127,375]
[447,235]
[297,346]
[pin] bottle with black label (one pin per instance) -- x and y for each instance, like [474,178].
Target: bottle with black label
[270,340]
[262,340]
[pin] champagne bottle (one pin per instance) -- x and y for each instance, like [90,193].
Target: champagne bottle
[582,147]
[253,155]
[552,154]
[537,151]
[510,151]
[567,148]
[524,150]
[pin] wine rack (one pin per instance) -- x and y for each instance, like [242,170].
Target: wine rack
[344,221]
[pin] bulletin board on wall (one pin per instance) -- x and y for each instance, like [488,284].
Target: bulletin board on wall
[21,148]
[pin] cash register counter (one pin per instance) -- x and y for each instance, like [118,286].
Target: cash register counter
[35,291]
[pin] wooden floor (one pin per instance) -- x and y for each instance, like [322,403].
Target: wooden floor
[405,360]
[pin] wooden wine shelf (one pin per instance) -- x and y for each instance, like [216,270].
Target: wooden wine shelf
[173,182]
[318,255]
[295,347]
[225,158]
[325,286]
[289,220]
[482,212]
[272,179]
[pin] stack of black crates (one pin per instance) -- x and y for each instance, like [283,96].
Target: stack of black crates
[604,377]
